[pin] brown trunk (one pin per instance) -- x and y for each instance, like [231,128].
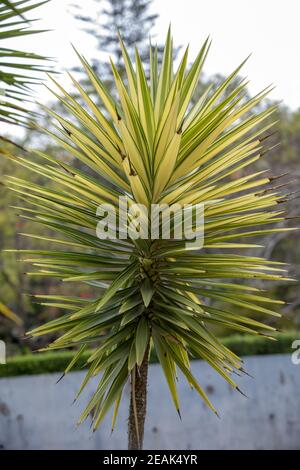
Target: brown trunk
[138,405]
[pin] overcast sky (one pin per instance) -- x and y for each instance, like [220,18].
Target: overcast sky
[269,29]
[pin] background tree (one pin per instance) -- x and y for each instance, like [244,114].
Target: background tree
[18,70]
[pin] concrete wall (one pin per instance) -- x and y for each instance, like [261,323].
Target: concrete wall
[37,413]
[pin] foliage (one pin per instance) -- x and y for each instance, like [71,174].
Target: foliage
[17,72]
[154,147]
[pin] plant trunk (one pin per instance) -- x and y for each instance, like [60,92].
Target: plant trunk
[138,404]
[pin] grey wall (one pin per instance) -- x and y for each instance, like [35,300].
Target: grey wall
[37,413]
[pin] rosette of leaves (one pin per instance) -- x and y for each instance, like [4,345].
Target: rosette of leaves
[151,146]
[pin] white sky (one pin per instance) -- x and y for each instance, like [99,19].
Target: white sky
[269,29]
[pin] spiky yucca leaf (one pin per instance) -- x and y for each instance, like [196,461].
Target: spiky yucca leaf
[152,146]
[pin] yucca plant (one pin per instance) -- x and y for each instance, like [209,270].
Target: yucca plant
[18,69]
[150,146]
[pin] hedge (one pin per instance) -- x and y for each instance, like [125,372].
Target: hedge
[43,363]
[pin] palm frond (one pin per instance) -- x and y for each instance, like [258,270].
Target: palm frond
[18,69]
[151,146]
